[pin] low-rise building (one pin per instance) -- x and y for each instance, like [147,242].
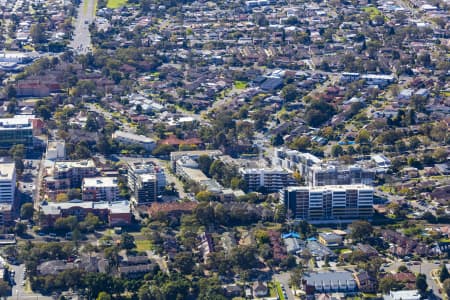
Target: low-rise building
[330,239]
[129,138]
[100,189]
[403,295]
[195,154]
[329,282]
[112,213]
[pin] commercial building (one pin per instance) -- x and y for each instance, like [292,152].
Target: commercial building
[112,213]
[14,131]
[128,138]
[146,181]
[266,180]
[7,183]
[327,203]
[100,189]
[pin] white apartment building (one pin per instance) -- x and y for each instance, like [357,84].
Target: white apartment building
[7,182]
[100,189]
[266,180]
[332,202]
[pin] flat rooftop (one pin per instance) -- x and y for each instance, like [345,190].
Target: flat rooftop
[100,182]
[330,187]
[7,171]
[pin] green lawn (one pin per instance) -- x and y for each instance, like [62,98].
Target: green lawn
[373,12]
[116,3]
[240,85]
[279,291]
[143,245]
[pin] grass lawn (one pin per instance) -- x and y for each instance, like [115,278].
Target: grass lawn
[279,291]
[272,289]
[372,11]
[143,245]
[116,3]
[240,85]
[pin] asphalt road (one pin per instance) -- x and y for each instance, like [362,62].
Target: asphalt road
[18,290]
[81,42]
[425,267]
[283,279]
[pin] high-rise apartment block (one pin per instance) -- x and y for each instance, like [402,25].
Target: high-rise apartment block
[7,183]
[146,181]
[327,203]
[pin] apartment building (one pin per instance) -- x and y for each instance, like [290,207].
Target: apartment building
[7,183]
[64,175]
[266,180]
[100,189]
[294,160]
[341,203]
[319,173]
[14,131]
[112,213]
[328,174]
[146,181]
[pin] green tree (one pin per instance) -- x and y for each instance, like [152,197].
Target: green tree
[360,230]
[37,33]
[363,137]
[446,287]
[17,151]
[103,296]
[20,228]
[443,274]
[11,93]
[290,93]
[421,283]
[127,241]
[337,150]
[296,276]
[26,211]
[184,262]
[5,289]
[388,284]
